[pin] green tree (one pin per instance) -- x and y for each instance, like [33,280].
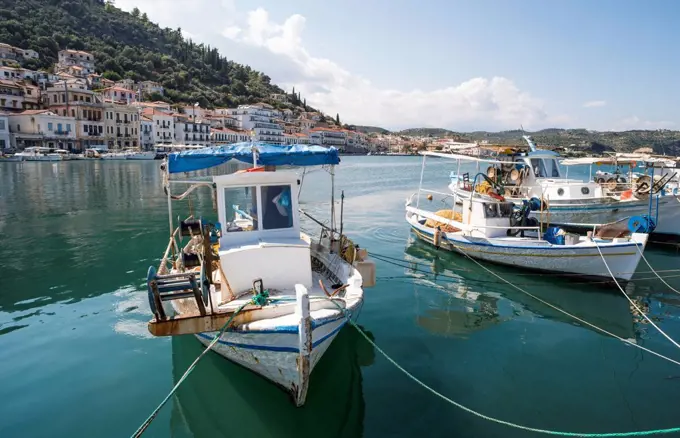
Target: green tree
[135,12]
[337,118]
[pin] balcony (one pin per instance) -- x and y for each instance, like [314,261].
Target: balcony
[267,125]
[62,132]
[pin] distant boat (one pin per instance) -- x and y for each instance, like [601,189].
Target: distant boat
[485,226]
[37,153]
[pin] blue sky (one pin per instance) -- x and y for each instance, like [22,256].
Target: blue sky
[433,63]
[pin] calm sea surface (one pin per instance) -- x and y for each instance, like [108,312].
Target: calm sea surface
[76,240]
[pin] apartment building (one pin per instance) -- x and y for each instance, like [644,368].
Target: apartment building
[121,126]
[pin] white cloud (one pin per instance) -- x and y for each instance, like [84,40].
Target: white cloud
[635,122]
[490,103]
[595,104]
[277,48]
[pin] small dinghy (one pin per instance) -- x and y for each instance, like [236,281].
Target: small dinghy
[486,227]
[285,294]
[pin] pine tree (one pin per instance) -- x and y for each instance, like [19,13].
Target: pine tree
[337,119]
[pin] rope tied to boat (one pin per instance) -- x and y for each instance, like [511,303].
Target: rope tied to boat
[258,299]
[493,419]
[640,311]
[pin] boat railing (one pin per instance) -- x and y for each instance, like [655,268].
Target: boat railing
[467,227]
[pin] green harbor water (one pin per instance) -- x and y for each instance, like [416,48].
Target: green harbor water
[76,359]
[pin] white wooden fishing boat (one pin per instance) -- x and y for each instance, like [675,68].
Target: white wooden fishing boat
[487,227]
[573,203]
[288,294]
[37,153]
[137,154]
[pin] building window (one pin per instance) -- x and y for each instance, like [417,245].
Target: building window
[100,130]
[68,127]
[18,128]
[50,127]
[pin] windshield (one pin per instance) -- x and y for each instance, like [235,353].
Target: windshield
[545,168]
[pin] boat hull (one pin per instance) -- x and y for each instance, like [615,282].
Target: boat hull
[275,354]
[540,255]
[148,155]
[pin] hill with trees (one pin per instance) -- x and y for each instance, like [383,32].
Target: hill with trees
[129,45]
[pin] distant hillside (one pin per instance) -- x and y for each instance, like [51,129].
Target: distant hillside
[661,141]
[371,129]
[128,45]
[425,132]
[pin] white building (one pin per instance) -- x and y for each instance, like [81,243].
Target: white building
[194,112]
[74,99]
[11,52]
[146,130]
[188,131]
[150,87]
[260,119]
[220,136]
[11,96]
[329,137]
[163,126]
[121,126]
[128,84]
[83,62]
[119,95]
[42,128]
[4,132]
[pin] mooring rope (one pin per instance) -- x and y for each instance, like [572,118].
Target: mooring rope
[601,330]
[258,298]
[655,272]
[532,274]
[493,419]
[631,301]
[405,264]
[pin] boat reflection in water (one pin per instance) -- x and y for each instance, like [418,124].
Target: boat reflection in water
[473,298]
[221,398]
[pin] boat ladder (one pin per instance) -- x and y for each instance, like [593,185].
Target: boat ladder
[172,287]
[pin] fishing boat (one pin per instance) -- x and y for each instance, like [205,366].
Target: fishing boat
[486,226]
[283,294]
[575,204]
[138,154]
[37,153]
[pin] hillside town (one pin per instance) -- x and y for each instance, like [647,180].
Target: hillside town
[74,108]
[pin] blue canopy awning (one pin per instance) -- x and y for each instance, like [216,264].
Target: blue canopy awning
[267,155]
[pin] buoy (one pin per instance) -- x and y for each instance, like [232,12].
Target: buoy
[514,175]
[491,172]
[628,194]
[429,197]
[611,184]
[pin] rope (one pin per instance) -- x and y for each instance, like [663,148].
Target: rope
[415,269]
[497,420]
[601,330]
[257,298]
[631,301]
[655,272]
[534,274]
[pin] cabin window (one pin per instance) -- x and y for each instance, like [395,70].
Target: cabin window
[241,208]
[490,210]
[506,209]
[277,207]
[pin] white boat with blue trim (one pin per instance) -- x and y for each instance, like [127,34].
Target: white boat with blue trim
[575,204]
[487,227]
[285,294]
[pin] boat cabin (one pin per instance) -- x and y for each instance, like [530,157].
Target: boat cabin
[487,218]
[260,226]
